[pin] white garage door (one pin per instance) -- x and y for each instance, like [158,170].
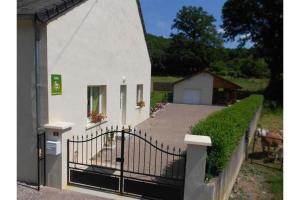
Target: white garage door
[191,96]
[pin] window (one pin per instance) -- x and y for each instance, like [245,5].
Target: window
[139,93]
[96,103]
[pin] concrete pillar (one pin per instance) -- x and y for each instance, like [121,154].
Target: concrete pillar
[195,188]
[56,165]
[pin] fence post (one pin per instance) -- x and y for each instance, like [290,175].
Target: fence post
[247,143]
[194,187]
[38,161]
[122,162]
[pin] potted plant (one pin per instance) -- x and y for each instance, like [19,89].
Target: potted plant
[96,117]
[140,104]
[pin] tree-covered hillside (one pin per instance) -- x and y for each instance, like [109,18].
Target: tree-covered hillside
[239,62]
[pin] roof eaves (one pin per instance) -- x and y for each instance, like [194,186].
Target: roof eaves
[144,27]
[54,10]
[220,77]
[188,77]
[25,16]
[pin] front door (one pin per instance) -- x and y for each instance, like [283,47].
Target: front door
[123,104]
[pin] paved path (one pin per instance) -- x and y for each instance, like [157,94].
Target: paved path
[171,124]
[27,192]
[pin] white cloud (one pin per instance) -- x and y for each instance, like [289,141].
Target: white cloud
[221,30]
[244,36]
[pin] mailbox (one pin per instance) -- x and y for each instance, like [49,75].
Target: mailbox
[53,147]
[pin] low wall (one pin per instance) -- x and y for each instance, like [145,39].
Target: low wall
[223,184]
[253,125]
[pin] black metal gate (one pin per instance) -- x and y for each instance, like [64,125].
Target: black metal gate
[126,162]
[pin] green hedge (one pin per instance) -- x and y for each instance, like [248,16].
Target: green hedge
[226,128]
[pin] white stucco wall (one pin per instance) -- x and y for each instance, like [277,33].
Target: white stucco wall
[26,104]
[203,82]
[98,43]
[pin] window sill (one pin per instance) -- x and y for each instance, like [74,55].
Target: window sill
[91,125]
[139,107]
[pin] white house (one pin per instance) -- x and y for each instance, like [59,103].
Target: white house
[75,57]
[204,88]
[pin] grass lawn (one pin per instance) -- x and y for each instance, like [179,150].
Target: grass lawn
[271,119]
[165,79]
[258,182]
[274,180]
[158,96]
[162,96]
[251,84]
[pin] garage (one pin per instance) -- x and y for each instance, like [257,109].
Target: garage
[204,88]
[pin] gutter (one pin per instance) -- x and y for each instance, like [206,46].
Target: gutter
[41,146]
[57,9]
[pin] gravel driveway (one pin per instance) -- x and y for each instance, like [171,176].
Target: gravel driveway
[172,123]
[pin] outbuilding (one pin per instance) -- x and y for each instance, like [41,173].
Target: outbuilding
[204,88]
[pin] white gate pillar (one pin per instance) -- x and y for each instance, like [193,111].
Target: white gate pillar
[56,153]
[195,188]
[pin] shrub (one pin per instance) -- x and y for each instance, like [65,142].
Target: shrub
[226,128]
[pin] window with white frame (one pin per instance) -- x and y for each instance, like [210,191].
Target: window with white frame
[96,103]
[139,93]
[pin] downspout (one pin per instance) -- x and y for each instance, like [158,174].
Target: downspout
[37,94]
[37,74]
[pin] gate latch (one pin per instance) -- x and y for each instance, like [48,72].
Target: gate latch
[119,159]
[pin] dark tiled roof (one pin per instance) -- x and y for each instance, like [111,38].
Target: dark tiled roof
[45,9]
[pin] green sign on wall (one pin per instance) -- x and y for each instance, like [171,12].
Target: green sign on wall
[56,87]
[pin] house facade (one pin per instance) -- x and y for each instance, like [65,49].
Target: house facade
[77,59]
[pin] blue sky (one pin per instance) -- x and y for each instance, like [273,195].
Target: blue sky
[159,14]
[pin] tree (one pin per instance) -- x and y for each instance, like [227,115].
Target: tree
[259,21]
[194,40]
[158,52]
